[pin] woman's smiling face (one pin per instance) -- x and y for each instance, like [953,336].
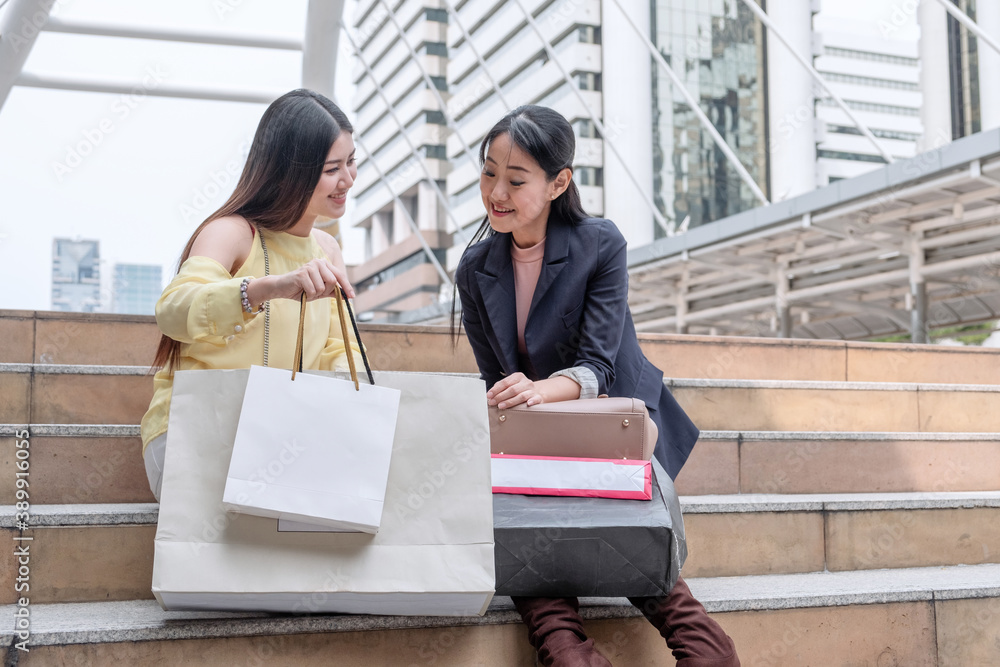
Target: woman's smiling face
[329,199]
[516,192]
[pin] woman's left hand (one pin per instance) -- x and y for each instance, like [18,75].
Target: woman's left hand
[514,390]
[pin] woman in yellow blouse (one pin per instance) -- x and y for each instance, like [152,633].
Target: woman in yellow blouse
[235,299]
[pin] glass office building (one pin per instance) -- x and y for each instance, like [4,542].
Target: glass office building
[76,275]
[963,70]
[717,49]
[136,288]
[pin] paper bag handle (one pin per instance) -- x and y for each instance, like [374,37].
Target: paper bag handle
[357,336]
[341,300]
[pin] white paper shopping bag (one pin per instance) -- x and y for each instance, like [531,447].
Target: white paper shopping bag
[433,554]
[313,449]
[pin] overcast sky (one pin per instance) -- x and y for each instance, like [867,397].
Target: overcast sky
[139,174]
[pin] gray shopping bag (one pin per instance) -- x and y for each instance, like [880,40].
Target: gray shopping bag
[600,547]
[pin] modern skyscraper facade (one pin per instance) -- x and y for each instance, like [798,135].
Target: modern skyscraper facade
[958,73]
[76,275]
[395,111]
[964,74]
[718,50]
[656,169]
[518,64]
[398,275]
[136,288]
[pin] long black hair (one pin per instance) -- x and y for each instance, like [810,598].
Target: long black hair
[548,138]
[284,165]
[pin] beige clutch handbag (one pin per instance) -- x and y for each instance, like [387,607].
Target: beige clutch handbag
[599,428]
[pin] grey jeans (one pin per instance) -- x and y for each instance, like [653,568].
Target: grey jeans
[153,458]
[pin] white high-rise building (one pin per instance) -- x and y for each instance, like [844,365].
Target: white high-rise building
[518,63]
[877,74]
[604,71]
[397,276]
[784,129]
[656,152]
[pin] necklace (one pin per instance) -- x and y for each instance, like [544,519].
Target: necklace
[267,304]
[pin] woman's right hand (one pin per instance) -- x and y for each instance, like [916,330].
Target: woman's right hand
[318,279]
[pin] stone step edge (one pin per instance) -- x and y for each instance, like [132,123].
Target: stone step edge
[838,502]
[72,430]
[826,385]
[97,514]
[107,514]
[74,369]
[673,383]
[133,431]
[143,620]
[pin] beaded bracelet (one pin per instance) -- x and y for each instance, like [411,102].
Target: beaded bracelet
[245,300]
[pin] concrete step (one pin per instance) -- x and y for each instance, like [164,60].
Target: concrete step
[780,534]
[82,552]
[727,462]
[777,405]
[78,338]
[83,339]
[101,463]
[105,552]
[62,394]
[744,358]
[921,616]
[77,463]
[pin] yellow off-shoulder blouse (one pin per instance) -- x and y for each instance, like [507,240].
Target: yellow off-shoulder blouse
[201,308]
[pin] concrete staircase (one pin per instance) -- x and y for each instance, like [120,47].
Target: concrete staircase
[841,509]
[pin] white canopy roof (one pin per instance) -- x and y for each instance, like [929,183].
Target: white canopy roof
[848,259]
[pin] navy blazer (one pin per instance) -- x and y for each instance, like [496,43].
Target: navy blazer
[579,316]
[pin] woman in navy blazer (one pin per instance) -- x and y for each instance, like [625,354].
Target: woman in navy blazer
[574,339]
[579,317]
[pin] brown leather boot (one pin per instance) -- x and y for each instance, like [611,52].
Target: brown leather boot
[693,637]
[555,629]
